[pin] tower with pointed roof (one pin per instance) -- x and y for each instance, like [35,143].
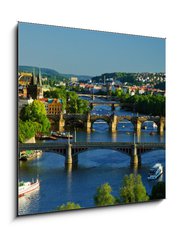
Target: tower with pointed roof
[35,89]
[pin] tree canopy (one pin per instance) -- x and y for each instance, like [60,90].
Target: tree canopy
[103,196]
[70,100]
[36,113]
[133,189]
[33,120]
[26,130]
[158,191]
[68,206]
[146,104]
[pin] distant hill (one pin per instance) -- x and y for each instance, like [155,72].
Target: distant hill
[51,73]
[131,78]
[44,71]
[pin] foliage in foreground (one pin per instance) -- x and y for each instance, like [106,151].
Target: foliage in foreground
[103,196]
[158,191]
[68,206]
[26,130]
[33,120]
[133,190]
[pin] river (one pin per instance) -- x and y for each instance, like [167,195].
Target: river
[95,167]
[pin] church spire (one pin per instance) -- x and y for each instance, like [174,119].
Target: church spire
[33,78]
[39,77]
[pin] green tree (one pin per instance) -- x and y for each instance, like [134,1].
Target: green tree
[68,206]
[59,93]
[133,190]
[70,100]
[103,196]
[36,113]
[147,104]
[26,130]
[158,191]
[75,104]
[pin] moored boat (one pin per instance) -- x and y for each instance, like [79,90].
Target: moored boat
[30,155]
[45,137]
[155,172]
[64,135]
[152,133]
[154,125]
[27,187]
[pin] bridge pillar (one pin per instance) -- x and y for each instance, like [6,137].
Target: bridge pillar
[71,161]
[68,160]
[113,124]
[113,107]
[61,123]
[161,126]
[88,123]
[137,126]
[134,157]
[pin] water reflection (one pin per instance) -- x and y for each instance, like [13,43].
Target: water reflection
[114,137]
[69,180]
[25,202]
[100,126]
[95,167]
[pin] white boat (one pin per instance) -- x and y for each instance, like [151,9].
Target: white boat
[155,172]
[27,187]
[38,153]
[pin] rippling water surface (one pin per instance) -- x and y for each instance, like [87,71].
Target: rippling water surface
[95,167]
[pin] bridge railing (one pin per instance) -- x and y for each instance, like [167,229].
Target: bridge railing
[53,145]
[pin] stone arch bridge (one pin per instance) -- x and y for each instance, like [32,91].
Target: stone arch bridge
[71,150]
[87,120]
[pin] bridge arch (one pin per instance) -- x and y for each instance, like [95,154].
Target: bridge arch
[76,123]
[146,156]
[104,157]
[150,125]
[121,150]
[95,118]
[122,123]
[97,123]
[61,152]
[145,151]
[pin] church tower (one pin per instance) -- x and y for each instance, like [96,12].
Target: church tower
[39,84]
[35,89]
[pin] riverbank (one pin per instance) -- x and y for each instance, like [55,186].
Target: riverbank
[30,155]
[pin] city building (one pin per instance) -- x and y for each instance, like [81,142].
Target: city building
[35,88]
[74,80]
[22,92]
[24,78]
[54,107]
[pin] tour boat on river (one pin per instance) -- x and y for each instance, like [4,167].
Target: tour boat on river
[155,172]
[62,135]
[27,187]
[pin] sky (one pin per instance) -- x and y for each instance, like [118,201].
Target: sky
[86,52]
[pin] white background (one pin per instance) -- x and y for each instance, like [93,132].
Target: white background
[141,221]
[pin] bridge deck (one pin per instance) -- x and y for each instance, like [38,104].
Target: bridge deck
[58,145]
